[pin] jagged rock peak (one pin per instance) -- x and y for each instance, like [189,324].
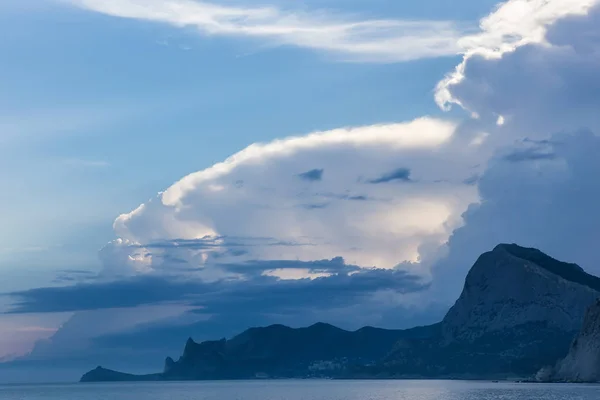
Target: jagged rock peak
[512,286]
[190,345]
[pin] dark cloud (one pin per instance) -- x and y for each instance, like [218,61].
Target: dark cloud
[77,272]
[358,198]
[344,196]
[124,293]
[532,154]
[312,175]
[315,206]
[347,286]
[541,89]
[398,175]
[306,295]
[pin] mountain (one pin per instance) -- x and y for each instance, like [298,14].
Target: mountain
[519,311]
[582,363]
[277,351]
[280,351]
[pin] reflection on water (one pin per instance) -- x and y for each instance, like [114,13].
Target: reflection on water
[304,390]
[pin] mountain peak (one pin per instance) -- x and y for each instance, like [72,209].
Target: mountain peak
[569,271]
[514,286]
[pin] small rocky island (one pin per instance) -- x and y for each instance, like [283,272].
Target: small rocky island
[519,312]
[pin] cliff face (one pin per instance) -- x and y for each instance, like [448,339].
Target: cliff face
[512,286]
[519,310]
[582,364]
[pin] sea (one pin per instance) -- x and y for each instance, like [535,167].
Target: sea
[303,390]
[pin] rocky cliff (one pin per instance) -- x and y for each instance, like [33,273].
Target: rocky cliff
[519,310]
[582,364]
[512,286]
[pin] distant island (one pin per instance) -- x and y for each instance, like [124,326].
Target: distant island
[519,316]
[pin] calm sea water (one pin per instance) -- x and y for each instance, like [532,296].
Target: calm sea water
[304,390]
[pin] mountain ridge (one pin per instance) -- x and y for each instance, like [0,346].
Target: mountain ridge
[519,310]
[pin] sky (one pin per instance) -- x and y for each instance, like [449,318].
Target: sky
[176,168]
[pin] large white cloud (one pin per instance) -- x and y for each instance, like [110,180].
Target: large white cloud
[532,60]
[372,195]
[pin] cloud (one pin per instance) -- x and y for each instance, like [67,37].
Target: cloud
[551,206]
[514,24]
[400,174]
[539,189]
[382,40]
[255,290]
[312,175]
[528,155]
[381,232]
[123,293]
[256,267]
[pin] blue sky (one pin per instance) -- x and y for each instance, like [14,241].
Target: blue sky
[99,113]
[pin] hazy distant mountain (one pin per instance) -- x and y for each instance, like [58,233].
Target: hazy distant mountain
[519,311]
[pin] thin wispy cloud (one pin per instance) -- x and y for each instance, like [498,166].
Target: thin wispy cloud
[377,40]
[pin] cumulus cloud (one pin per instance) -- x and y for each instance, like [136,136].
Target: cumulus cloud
[383,40]
[514,24]
[368,225]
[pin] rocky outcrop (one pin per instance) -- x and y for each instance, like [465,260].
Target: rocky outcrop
[513,286]
[582,364]
[519,310]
